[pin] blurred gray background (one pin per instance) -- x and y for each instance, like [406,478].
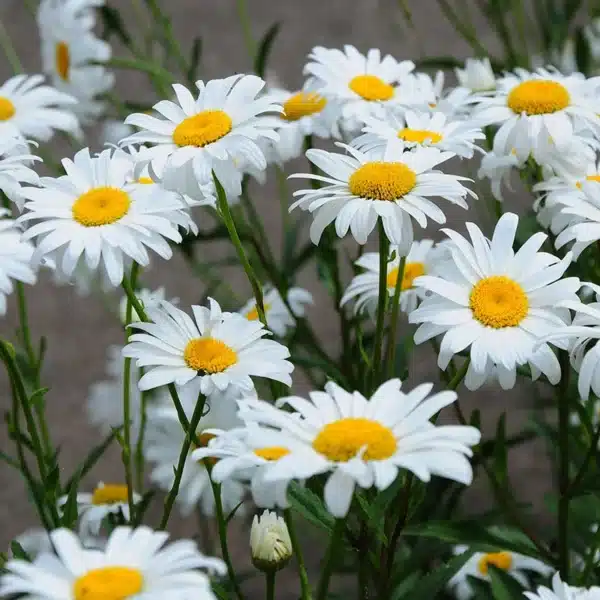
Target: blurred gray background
[79,331]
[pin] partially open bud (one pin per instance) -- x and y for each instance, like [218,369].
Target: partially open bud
[270,542]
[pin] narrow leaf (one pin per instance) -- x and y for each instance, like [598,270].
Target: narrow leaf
[264,49]
[310,506]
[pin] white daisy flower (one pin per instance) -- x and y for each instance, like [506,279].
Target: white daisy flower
[95,213]
[69,48]
[478,566]
[363,85]
[279,318]
[364,288]
[390,183]
[35,111]
[498,169]
[147,298]
[498,303]
[366,442]
[136,563]
[114,132]
[15,257]
[210,133]
[221,349]
[477,75]
[105,500]
[561,591]
[34,542]
[530,107]
[421,129]
[15,163]
[165,437]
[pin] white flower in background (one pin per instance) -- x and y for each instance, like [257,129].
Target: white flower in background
[531,107]
[561,591]
[69,48]
[15,168]
[279,318]
[105,500]
[114,132]
[15,257]
[34,542]
[421,129]
[34,111]
[366,442]
[135,562]
[592,35]
[497,303]
[364,288]
[94,213]
[390,183]
[477,75]
[305,112]
[165,437]
[147,298]
[212,132]
[498,169]
[363,85]
[270,542]
[105,398]
[221,349]
[248,454]
[478,566]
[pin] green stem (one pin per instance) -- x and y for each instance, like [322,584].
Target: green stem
[332,554]
[270,578]
[306,593]
[285,206]
[222,528]
[9,50]
[563,468]
[190,435]
[256,223]
[382,297]
[244,18]
[139,448]
[391,347]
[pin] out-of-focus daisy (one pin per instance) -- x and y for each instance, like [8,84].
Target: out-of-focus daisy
[498,169]
[279,318]
[113,131]
[15,257]
[530,106]
[477,75]
[498,303]
[105,500]
[366,442]
[421,129]
[478,566]
[212,132]
[364,85]
[94,213]
[147,298]
[165,437]
[365,286]
[69,49]
[391,183]
[34,542]
[34,110]
[135,563]
[15,168]
[561,591]
[221,349]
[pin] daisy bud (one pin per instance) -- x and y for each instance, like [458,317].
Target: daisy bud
[270,542]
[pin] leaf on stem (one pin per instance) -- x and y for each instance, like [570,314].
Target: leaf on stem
[264,49]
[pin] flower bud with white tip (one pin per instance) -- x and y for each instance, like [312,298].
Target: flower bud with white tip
[270,542]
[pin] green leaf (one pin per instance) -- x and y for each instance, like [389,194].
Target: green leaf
[500,452]
[405,586]
[37,398]
[195,54]
[9,460]
[70,513]
[583,55]
[264,49]
[18,551]
[232,513]
[310,506]
[504,587]
[403,352]
[113,23]
[438,62]
[375,519]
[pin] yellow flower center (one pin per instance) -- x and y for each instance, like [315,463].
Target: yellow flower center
[382,181]
[204,128]
[202,440]
[272,452]
[589,178]
[108,583]
[209,355]
[371,87]
[101,206]
[411,272]
[145,180]
[302,104]
[538,97]
[502,560]
[342,440]
[498,302]
[253,312]
[419,135]
[110,494]
[62,58]
[7,109]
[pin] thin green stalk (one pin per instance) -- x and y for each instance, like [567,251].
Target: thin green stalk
[382,297]
[222,528]
[306,593]
[590,454]
[139,448]
[270,579]
[190,435]
[337,536]
[468,35]
[563,468]
[284,203]
[391,347]
[256,223]
[9,50]
[242,10]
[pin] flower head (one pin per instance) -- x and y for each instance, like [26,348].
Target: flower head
[561,591]
[270,542]
[15,168]
[477,75]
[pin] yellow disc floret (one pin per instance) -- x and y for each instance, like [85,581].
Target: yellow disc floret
[203,128]
[538,97]
[110,494]
[382,181]
[302,104]
[7,109]
[62,58]
[108,583]
[501,560]
[208,355]
[101,206]
[498,302]
[419,136]
[412,270]
[272,452]
[371,87]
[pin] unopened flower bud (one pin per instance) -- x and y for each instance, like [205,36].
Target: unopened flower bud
[270,542]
